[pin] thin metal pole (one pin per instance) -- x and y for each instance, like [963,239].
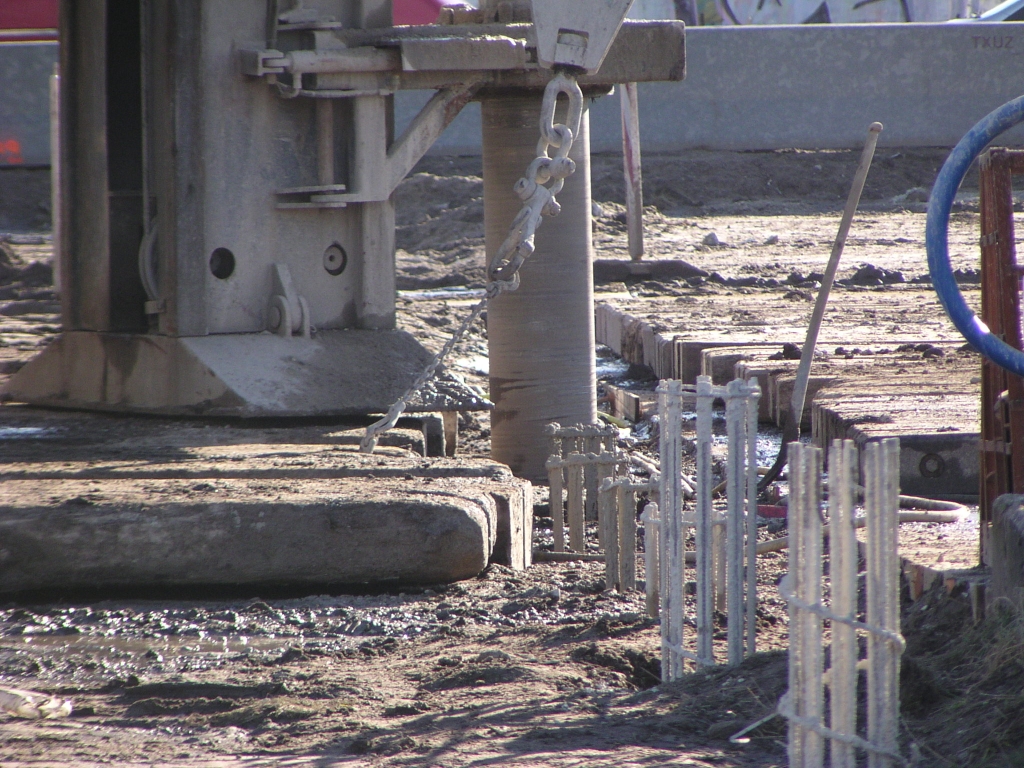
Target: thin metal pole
[632,169]
[555,502]
[753,395]
[605,523]
[805,629]
[881,506]
[55,209]
[843,575]
[592,444]
[704,535]
[735,422]
[574,505]
[791,429]
[670,395]
[807,353]
[607,520]
[652,566]
[626,535]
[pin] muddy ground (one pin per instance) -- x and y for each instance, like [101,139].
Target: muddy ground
[532,668]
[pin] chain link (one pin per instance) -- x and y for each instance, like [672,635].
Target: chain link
[538,201]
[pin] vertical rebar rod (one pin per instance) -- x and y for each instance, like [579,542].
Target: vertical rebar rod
[736,428]
[718,564]
[652,569]
[626,535]
[574,504]
[794,577]
[881,507]
[605,518]
[555,502]
[591,445]
[872,507]
[607,514]
[670,395]
[751,403]
[843,576]
[812,629]
[891,562]
[595,498]
[541,336]
[805,630]
[705,574]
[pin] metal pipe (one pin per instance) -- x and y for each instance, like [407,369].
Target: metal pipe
[705,535]
[632,169]
[55,212]
[791,429]
[540,337]
[940,204]
[736,423]
[754,395]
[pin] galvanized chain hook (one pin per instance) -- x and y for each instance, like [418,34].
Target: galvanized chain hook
[538,200]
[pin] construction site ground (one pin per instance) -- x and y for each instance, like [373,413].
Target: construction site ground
[519,668]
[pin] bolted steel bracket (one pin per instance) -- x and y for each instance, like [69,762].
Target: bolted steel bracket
[287,313]
[568,38]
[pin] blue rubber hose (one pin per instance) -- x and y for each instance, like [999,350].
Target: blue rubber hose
[940,204]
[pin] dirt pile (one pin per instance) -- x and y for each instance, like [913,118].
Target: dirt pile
[440,232]
[692,182]
[962,683]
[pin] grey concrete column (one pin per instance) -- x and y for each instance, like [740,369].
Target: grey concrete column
[541,337]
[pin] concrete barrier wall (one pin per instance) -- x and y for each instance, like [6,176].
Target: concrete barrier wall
[810,87]
[25,70]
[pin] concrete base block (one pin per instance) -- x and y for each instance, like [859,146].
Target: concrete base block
[241,532]
[248,375]
[1006,549]
[90,501]
[514,544]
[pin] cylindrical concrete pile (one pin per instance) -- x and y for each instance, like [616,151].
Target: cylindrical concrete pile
[541,337]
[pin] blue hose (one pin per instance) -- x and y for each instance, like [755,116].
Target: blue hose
[937,235]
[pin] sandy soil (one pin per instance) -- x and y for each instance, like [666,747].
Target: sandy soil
[510,669]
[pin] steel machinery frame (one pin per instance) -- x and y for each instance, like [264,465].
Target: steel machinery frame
[227,221]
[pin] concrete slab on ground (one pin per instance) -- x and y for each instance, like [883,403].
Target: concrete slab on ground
[93,501]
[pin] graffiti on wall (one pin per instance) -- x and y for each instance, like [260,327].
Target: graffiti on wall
[846,11]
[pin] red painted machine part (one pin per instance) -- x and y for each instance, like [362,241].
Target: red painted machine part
[417,11]
[31,20]
[28,20]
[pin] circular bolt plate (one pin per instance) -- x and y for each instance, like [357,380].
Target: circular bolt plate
[932,465]
[335,259]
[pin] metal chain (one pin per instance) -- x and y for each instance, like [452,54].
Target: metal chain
[538,200]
